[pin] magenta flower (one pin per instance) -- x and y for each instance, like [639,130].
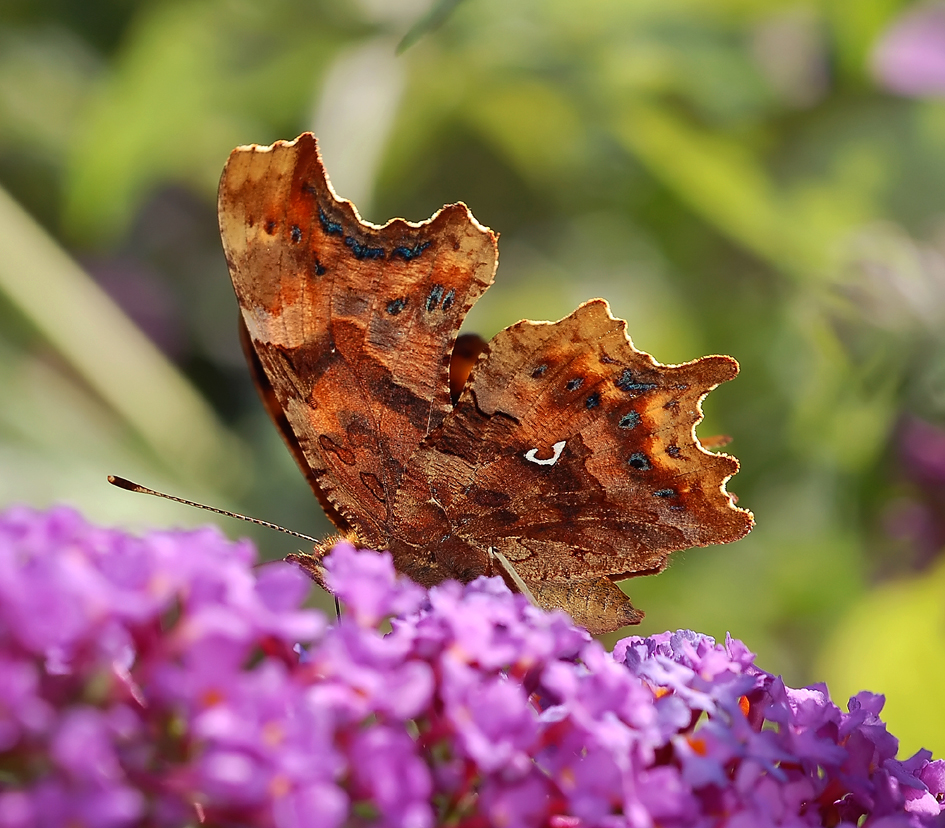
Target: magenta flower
[164,681]
[909,58]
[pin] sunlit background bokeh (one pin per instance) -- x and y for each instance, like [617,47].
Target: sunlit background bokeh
[764,179]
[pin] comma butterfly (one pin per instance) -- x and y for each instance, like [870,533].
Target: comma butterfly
[568,454]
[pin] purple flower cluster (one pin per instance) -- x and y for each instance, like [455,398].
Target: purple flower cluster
[909,58]
[163,681]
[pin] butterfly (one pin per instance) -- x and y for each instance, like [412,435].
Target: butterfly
[567,461]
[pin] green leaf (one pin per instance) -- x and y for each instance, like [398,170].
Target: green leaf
[438,14]
[891,642]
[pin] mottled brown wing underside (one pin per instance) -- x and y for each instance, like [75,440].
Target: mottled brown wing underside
[604,437]
[353,324]
[569,452]
[277,414]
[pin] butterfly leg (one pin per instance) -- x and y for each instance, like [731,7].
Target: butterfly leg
[503,567]
[311,565]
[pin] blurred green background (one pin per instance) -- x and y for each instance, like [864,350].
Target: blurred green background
[751,177]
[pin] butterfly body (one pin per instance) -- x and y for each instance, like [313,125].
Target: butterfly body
[568,450]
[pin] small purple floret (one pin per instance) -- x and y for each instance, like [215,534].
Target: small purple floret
[909,58]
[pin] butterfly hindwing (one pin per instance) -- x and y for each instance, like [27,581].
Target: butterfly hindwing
[575,454]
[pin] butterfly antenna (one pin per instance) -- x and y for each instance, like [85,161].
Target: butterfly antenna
[122,483]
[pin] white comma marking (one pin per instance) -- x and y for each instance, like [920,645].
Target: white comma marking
[532,454]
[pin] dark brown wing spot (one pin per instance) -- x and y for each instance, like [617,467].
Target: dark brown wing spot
[373,485]
[345,455]
[505,517]
[488,498]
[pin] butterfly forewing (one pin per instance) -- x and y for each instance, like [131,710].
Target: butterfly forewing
[353,324]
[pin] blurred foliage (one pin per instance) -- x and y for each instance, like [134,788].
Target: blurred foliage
[729,175]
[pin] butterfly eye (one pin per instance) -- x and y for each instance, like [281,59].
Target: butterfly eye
[592,401]
[673,451]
